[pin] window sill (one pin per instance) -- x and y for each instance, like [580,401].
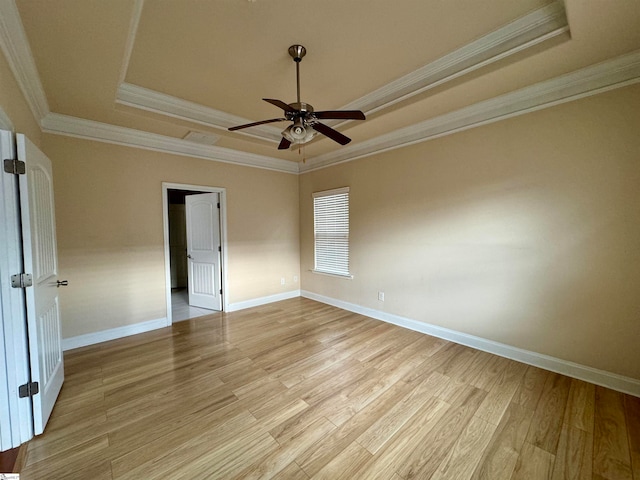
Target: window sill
[329,274]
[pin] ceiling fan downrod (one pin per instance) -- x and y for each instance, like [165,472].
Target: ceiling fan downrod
[297,52]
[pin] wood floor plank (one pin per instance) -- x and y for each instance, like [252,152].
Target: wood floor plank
[549,414]
[531,388]
[478,365]
[396,452]
[212,446]
[140,456]
[427,457]
[464,456]
[501,392]
[581,405]
[56,445]
[283,456]
[574,457]
[345,465]
[533,464]
[309,366]
[391,421]
[232,458]
[366,391]
[632,414]
[417,349]
[72,463]
[456,366]
[291,472]
[432,363]
[314,458]
[298,389]
[501,456]
[611,455]
[488,375]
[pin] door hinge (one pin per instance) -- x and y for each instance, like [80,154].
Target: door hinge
[219,248]
[220,291]
[22,280]
[28,389]
[218,204]
[15,167]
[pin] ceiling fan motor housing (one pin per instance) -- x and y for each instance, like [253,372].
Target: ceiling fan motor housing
[297,52]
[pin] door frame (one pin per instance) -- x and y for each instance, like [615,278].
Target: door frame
[166,186]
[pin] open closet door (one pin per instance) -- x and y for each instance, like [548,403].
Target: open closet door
[41,261]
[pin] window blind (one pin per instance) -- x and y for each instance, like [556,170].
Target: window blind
[331,227]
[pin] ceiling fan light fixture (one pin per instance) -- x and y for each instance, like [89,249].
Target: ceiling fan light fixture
[298,133]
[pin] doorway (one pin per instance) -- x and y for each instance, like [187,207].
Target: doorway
[177,265]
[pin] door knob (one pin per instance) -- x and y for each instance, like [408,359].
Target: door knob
[62,283]
[189,256]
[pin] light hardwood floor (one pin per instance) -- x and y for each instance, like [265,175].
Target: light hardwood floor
[298,389]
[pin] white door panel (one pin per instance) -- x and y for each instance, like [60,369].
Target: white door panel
[15,414]
[203,250]
[40,259]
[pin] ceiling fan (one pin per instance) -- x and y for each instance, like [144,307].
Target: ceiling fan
[305,120]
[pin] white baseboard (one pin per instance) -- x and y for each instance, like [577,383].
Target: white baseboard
[570,369]
[256,302]
[119,332]
[113,333]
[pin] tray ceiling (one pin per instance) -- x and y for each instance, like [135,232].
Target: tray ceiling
[170,68]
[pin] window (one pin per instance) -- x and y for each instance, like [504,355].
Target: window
[331,231]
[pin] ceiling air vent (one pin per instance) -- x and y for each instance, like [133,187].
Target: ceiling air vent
[200,137]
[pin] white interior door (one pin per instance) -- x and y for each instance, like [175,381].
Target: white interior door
[41,261]
[203,250]
[16,424]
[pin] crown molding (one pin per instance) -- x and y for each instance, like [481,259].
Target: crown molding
[15,45]
[525,32]
[58,124]
[150,100]
[131,38]
[592,80]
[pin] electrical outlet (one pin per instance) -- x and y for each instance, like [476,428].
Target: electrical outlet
[381,296]
[282,281]
[295,279]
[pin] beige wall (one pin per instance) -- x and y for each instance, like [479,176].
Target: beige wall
[110,231]
[524,232]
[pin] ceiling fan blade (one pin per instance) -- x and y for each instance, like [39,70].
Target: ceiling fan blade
[340,115]
[232,129]
[280,104]
[284,144]
[334,135]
